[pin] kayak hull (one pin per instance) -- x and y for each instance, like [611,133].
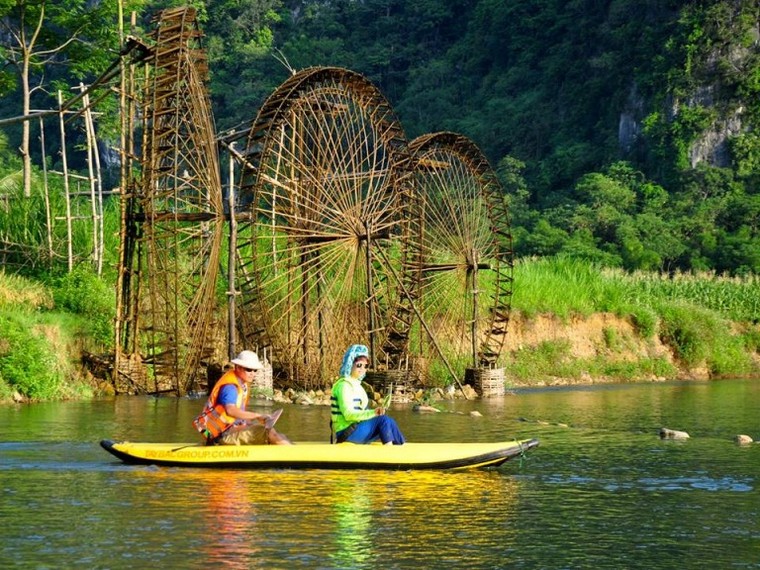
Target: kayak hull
[321,455]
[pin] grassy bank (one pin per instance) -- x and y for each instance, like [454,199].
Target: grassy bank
[45,327]
[707,322]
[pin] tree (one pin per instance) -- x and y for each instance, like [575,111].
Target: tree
[40,34]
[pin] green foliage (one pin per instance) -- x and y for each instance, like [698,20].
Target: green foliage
[541,87]
[549,358]
[563,286]
[751,340]
[689,313]
[729,358]
[645,319]
[28,360]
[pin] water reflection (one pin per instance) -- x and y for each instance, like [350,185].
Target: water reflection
[352,508]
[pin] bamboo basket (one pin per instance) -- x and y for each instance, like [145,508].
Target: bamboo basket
[487,382]
[400,382]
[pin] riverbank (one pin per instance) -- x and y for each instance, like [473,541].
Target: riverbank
[543,350]
[571,323]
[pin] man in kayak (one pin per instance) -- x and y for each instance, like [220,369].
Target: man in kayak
[225,420]
[351,420]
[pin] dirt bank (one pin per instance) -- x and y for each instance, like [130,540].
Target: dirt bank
[600,337]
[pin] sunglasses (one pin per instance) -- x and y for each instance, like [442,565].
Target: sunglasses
[249,369]
[361,364]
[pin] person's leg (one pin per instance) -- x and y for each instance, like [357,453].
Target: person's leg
[383,428]
[277,438]
[389,431]
[365,432]
[253,434]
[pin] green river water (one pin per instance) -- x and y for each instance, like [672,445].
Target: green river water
[601,491]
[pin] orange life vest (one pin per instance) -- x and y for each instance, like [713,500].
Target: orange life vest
[214,420]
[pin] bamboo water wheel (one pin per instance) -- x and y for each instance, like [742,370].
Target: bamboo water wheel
[321,184]
[460,257]
[173,220]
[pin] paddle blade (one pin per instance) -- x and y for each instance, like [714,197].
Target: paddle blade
[272,419]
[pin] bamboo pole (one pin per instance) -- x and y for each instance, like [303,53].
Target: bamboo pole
[91,179]
[90,123]
[48,215]
[124,196]
[70,251]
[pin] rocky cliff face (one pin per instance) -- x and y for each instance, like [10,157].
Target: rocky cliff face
[715,89]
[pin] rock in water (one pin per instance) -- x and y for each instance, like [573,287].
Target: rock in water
[666,433]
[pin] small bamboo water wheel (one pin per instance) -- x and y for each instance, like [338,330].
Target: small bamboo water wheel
[459,257]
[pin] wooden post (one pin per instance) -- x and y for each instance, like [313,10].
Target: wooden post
[231,293]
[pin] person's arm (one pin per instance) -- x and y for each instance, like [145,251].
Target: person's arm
[345,398]
[233,411]
[228,398]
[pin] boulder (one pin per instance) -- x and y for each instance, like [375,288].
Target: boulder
[666,433]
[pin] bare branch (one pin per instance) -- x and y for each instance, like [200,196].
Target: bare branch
[39,26]
[280,57]
[61,47]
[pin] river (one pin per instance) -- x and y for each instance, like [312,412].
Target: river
[601,491]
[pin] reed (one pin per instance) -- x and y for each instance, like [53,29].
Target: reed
[563,286]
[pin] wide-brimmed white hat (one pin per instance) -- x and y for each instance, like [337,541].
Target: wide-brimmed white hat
[248,359]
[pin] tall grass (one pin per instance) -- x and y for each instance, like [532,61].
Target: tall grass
[736,298]
[44,328]
[23,294]
[563,286]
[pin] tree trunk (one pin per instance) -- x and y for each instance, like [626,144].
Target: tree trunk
[26,96]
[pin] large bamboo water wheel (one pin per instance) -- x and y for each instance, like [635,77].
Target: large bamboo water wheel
[323,160]
[174,219]
[460,257]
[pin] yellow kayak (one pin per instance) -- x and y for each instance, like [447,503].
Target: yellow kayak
[321,455]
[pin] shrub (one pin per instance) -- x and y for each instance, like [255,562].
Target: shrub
[27,360]
[645,320]
[84,293]
[687,330]
[729,358]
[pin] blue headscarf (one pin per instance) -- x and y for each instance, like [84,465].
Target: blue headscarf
[354,351]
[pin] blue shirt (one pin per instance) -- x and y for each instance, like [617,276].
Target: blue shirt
[228,395]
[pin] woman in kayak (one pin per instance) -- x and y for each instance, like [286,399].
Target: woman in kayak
[351,420]
[225,420]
